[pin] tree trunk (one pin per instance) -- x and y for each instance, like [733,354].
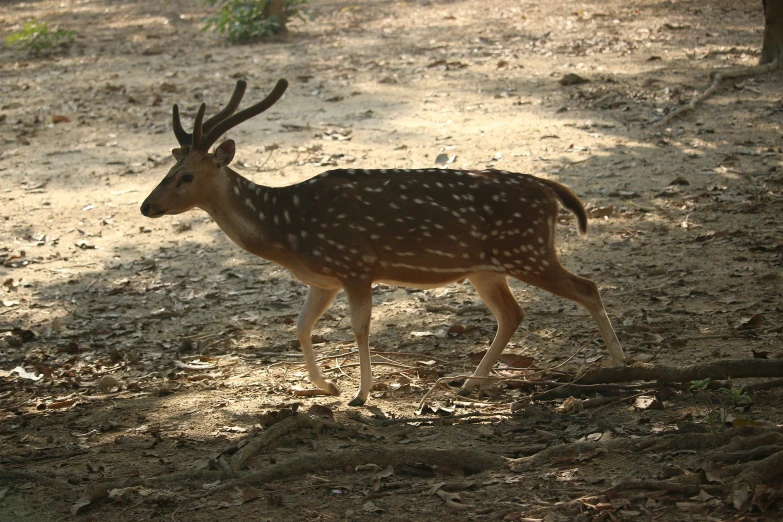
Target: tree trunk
[772,48]
[279,10]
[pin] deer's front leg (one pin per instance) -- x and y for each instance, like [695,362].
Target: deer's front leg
[318,300]
[360,303]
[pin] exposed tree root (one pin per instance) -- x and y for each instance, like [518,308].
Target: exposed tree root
[672,442]
[568,451]
[717,77]
[9,475]
[766,385]
[469,461]
[723,369]
[287,425]
[748,443]
[206,475]
[746,455]
[760,472]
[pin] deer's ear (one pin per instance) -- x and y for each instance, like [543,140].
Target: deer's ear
[178,154]
[224,153]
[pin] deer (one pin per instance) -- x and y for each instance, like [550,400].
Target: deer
[347,229]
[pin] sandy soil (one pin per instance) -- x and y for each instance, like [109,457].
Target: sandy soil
[685,244]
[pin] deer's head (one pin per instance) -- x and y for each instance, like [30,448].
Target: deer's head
[195,176]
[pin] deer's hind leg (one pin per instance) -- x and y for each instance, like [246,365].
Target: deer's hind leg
[551,276]
[493,289]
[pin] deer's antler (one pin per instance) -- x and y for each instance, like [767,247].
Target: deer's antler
[186,139]
[229,109]
[223,126]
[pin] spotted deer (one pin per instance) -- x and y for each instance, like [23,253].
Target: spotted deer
[346,229]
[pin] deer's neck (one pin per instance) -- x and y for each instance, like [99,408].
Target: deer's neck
[241,209]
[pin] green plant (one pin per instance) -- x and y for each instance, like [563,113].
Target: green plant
[244,20]
[36,37]
[699,385]
[737,395]
[717,408]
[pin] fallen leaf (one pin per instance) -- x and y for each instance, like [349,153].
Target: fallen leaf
[676,26]
[455,329]
[516,361]
[703,496]
[89,495]
[690,507]
[453,500]
[370,507]
[740,422]
[600,212]
[274,416]
[712,471]
[740,497]
[323,412]
[572,406]
[24,374]
[246,495]
[764,497]
[647,402]
[444,159]
[572,79]
[152,51]
[754,321]
[108,382]
[388,471]
[61,404]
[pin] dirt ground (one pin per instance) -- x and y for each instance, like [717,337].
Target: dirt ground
[141,350]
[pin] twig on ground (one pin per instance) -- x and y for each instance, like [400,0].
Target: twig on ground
[310,392]
[567,390]
[462,310]
[383,353]
[374,363]
[439,383]
[717,77]
[664,485]
[446,419]
[412,355]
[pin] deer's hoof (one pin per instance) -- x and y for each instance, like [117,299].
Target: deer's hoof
[331,389]
[462,392]
[357,401]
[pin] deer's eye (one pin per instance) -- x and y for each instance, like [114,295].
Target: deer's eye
[186,178]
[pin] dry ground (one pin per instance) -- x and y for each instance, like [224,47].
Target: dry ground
[685,244]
